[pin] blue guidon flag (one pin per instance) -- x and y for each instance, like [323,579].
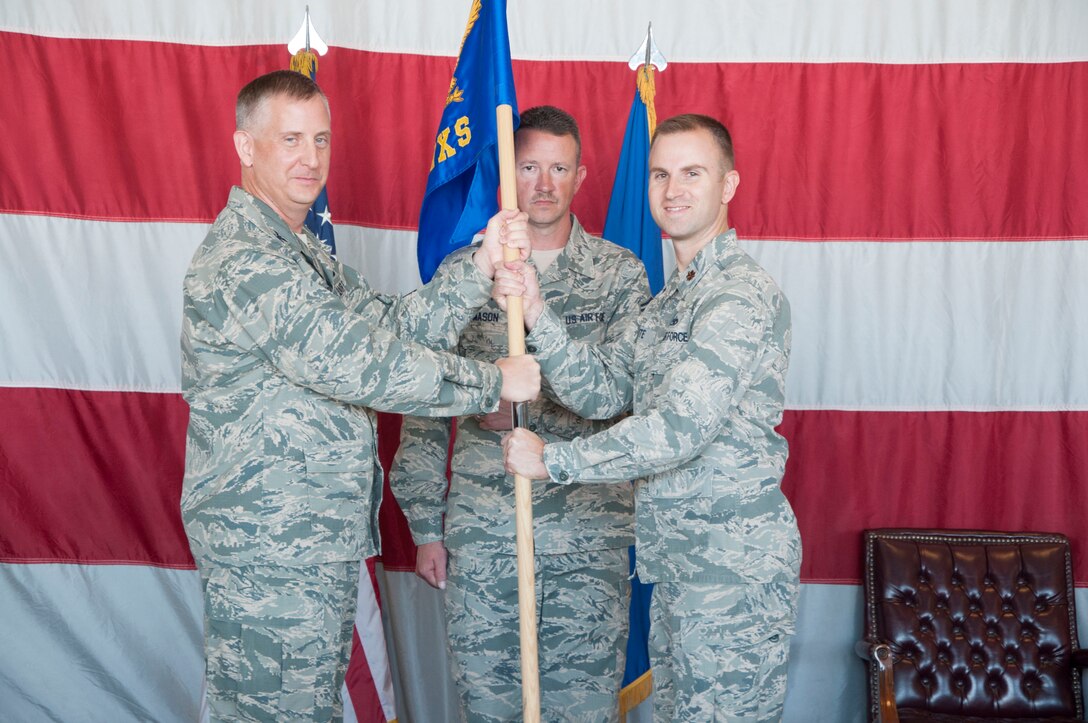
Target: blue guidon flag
[630,224]
[464,177]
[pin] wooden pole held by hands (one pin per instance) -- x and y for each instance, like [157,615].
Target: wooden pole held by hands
[523,491]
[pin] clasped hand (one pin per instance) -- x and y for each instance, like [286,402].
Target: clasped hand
[523,454]
[506,229]
[518,278]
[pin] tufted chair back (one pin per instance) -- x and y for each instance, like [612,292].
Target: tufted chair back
[978,624]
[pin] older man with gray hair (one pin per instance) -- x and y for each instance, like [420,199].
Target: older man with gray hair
[286,354]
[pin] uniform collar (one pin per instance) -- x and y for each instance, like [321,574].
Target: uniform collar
[715,255]
[267,221]
[577,255]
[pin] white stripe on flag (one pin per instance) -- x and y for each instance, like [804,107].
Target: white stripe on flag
[902,31]
[922,326]
[368,625]
[99,303]
[877,325]
[100,642]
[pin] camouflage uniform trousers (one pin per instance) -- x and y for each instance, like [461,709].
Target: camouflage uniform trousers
[719,652]
[277,640]
[582,601]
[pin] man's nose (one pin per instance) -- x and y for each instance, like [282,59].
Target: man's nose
[309,154]
[672,188]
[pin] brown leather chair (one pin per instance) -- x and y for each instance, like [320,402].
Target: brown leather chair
[964,625]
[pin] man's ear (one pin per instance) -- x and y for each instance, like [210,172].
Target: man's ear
[579,176]
[732,180]
[243,144]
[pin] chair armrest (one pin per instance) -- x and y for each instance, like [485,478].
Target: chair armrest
[880,655]
[1079,658]
[866,649]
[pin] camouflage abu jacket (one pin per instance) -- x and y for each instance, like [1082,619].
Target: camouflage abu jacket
[708,358]
[285,352]
[595,288]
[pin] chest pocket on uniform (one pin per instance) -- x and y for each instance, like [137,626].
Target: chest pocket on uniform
[648,388]
[586,323]
[671,347]
[484,340]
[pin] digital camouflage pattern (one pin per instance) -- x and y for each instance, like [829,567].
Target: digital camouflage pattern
[726,647]
[582,601]
[581,532]
[285,352]
[708,358]
[278,640]
[595,288]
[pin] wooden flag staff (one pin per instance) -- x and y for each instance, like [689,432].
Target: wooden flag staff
[523,491]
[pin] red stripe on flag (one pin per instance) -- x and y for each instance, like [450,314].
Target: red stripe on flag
[95,477]
[92,477]
[398,549]
[361,686]
[837,151]
[848,471]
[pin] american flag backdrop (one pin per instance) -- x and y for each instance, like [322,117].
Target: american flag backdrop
[914,173]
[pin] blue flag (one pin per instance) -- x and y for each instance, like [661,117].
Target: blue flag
[630,225]
[464,178]
[629,222]
[637,683]
[318,219]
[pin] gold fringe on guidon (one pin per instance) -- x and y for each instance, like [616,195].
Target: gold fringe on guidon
[305,62]
[635,692]
[647,91]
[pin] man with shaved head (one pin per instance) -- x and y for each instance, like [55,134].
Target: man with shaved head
[467,540]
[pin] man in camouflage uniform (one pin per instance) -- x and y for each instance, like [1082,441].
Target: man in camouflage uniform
[581,532]
[285,353]
[708,357]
